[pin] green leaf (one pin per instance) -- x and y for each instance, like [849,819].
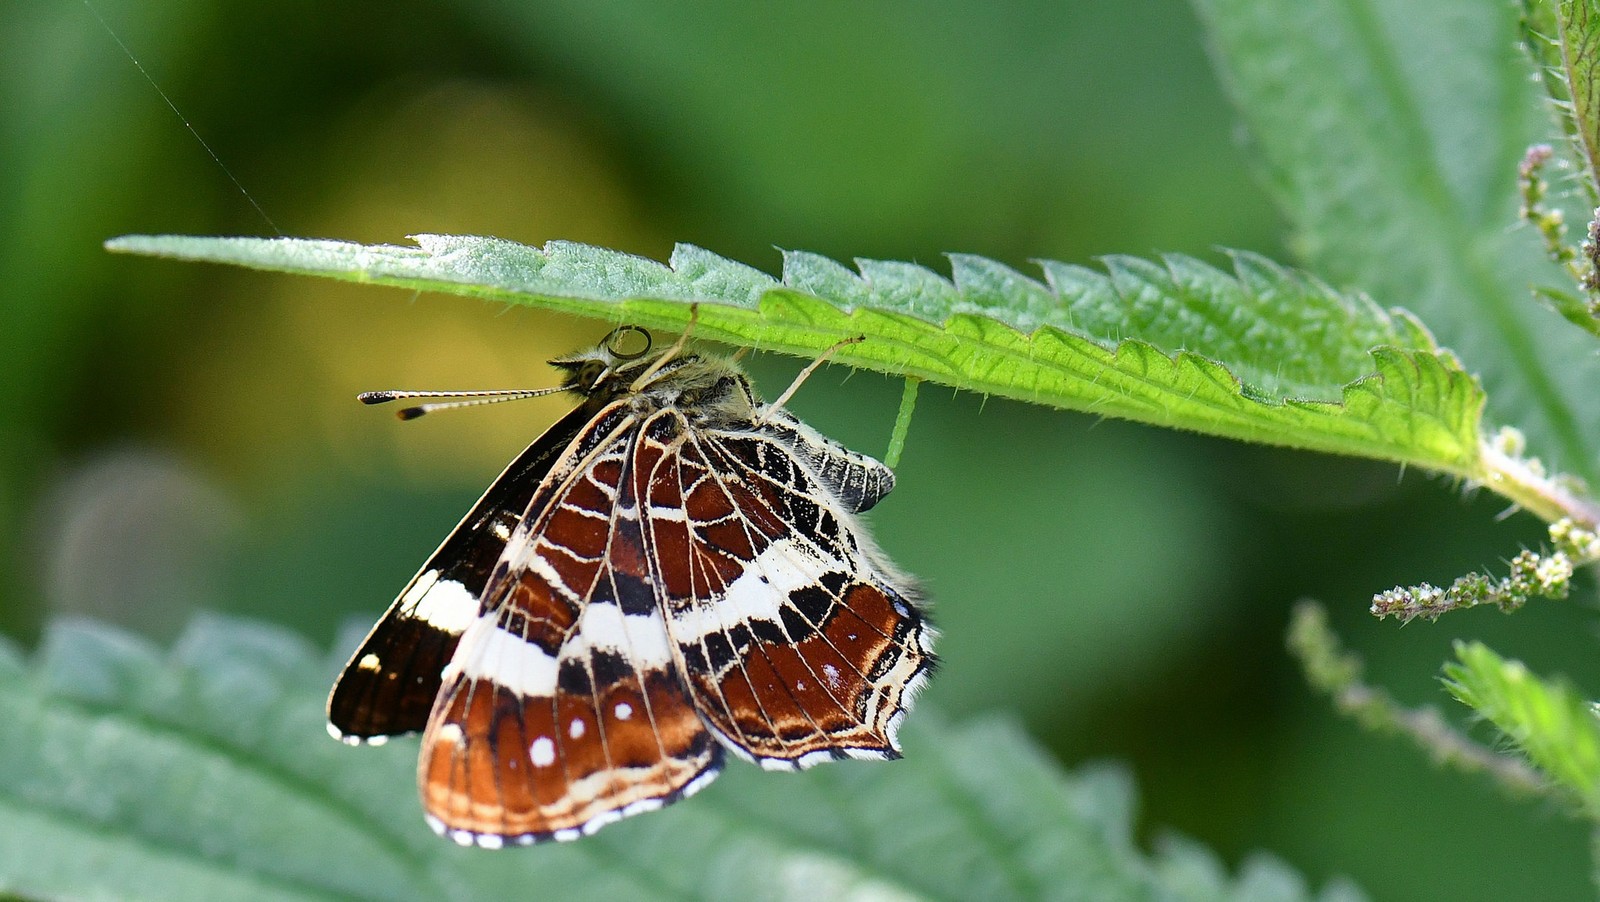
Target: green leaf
[205,773]
[1578,25]
[1546,719]
[1573,309]
[1391,132]
[1263,354]
[1543,38]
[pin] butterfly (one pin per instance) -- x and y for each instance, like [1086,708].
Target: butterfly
[673,571]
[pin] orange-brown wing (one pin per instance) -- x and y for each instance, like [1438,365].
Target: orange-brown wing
[797,644]
[562,708]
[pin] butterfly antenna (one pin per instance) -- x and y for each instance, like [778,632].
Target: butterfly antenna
[464,398]
[811,368]
[669,353]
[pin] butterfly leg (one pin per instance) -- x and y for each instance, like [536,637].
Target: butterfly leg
[806,374]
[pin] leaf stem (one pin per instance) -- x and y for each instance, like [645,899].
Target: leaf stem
[1505,470]
[902,422]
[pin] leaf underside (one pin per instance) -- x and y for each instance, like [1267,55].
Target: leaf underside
[205,773]
[1262,353]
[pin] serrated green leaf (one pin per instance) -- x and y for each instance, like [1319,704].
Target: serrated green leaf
[1578,25]
[1186,863]
[1391,132]
[1546,719]
[205,773]
[1263,354]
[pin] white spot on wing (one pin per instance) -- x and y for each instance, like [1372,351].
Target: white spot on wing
[699,783]
[831,673]
[369,661]
[593,825]
[442,604]
[347,739]
[543,752]
[624,710]
[812,759]
[641,807]
[577,728]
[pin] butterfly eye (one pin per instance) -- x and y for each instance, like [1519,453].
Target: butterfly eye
[589,374]
[621,342]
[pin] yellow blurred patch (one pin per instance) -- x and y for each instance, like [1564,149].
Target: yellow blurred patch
[271,396]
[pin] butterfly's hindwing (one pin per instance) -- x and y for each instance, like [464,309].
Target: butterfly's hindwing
[390,683]
[795,645]
[856,481]
[563,708]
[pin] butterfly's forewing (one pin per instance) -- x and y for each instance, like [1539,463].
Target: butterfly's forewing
[796,646]
[563,709]
[390,683]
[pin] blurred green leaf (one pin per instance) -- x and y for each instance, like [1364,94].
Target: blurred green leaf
[1263,354]
[1572,308]
[206,774]
[857,128]
[1546,719]
[1391,133]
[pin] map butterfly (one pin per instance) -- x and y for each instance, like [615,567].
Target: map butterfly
[672,571]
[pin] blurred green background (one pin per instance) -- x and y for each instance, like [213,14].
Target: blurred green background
[177,437]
